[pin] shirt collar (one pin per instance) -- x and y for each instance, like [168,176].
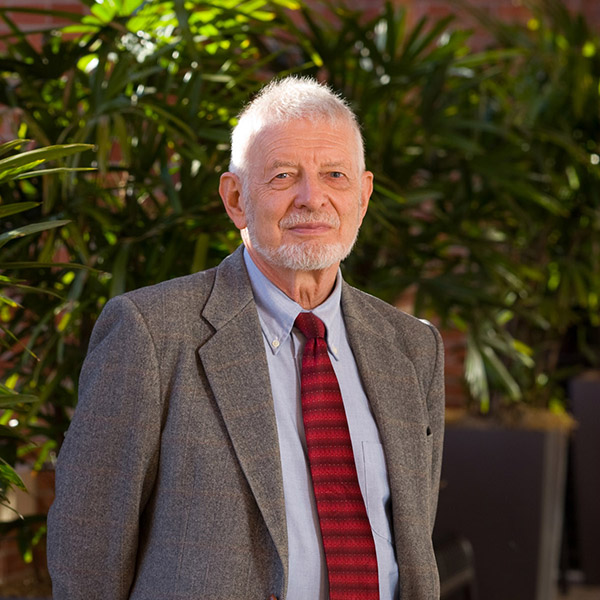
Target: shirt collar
[277,311]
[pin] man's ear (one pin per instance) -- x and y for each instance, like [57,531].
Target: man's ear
[230,190]
[366,189]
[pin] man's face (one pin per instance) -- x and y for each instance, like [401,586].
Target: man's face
[305,196]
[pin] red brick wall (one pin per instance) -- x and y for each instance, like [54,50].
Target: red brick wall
[33,22]
[38,501]
[504,9]
[30,22]
[509,10]
[455,345]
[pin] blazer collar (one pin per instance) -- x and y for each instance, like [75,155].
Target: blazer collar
[388,374]
[236,367]
[231,291]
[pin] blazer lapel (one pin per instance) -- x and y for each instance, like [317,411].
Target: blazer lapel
[394,393]
[236,367]
[387,373]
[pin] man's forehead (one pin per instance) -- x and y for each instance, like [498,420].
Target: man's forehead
[277,163]
[282,142]
[318,129]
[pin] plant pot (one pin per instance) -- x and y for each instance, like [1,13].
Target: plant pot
[503,489]
[585,404]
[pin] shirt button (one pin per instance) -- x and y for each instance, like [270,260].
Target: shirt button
[275,343]
[334,350]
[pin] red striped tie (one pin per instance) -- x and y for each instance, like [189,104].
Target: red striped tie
[345,529]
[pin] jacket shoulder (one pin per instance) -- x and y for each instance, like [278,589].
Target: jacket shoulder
[416,338]
[189,290]
[396,318]
[170,310]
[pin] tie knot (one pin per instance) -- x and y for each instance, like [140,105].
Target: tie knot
[310,325]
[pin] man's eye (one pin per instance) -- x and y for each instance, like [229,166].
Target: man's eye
[282,175]
[336,174]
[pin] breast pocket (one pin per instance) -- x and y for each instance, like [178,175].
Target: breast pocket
[377,490]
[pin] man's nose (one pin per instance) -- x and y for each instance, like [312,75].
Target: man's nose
[310,193]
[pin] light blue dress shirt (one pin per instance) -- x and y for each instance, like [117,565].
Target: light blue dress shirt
[283,345]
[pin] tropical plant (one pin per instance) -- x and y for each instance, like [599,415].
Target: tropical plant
[550,100]
[17,168]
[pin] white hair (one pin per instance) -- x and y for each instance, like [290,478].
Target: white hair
[285,100]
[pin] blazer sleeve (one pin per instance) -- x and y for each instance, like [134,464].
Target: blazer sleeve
[108,462]
[436,409]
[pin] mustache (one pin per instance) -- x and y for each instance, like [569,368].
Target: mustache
[309,217]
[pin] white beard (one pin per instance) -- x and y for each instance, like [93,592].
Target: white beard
[303,256]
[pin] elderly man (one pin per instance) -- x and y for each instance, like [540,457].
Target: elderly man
[261,429]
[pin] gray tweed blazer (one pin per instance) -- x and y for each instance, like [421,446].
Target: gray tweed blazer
[169,482]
